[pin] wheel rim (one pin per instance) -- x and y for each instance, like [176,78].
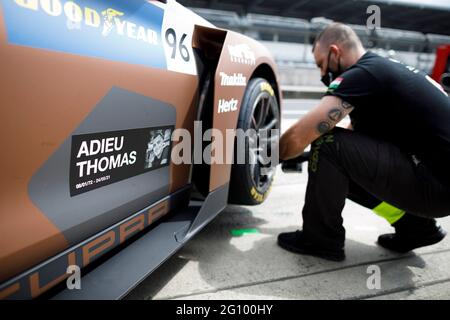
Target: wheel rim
[265,117]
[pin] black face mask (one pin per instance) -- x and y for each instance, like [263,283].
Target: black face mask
[330,75]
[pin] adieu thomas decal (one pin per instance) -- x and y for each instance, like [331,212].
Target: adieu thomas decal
[100,159]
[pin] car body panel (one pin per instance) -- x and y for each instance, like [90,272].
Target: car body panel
[56,92]
[240,56]
[52,111]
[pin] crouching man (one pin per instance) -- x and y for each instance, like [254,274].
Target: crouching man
[395,158]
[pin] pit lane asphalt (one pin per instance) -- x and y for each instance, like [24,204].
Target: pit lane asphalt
[217,265]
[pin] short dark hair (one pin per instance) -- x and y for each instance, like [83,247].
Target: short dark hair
[337,33]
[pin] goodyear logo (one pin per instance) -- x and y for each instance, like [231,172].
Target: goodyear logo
[268,88]
[127,31]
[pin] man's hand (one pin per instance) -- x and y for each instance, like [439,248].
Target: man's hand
[330,111]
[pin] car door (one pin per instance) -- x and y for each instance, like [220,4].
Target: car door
[91,92]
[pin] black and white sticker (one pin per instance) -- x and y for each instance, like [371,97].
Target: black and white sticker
[177,30]
[100,159]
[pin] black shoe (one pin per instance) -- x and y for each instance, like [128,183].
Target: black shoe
[411,233]
[295,242]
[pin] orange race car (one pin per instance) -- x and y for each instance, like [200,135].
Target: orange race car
[92,92]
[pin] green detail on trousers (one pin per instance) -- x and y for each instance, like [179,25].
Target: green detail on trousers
[390,213]
[315,149]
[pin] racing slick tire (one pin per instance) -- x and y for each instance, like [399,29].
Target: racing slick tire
[251,181]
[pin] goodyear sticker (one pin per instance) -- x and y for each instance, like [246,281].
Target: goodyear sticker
[126,31]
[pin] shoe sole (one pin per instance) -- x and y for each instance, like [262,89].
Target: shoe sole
[435,238]
[316,253]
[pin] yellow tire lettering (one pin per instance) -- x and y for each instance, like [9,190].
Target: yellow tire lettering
[257,196]
[267,88]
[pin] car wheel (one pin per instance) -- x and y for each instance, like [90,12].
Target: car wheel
[250,182]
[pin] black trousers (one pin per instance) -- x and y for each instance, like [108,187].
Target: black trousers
[347,164]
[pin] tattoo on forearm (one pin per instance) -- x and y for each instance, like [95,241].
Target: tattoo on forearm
[335,115]
[346,105]
[323,127]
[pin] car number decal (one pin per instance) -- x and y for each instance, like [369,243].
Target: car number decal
[177,30]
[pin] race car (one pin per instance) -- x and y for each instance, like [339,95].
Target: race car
[92,95]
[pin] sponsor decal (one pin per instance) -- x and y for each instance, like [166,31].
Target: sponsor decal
[235,80]
[226,106]
[158,144]
[335,84]
[47,275]
[126,31]
[268,88]
[241,53]
[100,159]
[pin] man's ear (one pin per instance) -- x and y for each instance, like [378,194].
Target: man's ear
[335,49]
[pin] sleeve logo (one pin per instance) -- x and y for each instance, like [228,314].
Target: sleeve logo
[335,84]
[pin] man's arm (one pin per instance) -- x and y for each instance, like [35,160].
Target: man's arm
[315,123]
